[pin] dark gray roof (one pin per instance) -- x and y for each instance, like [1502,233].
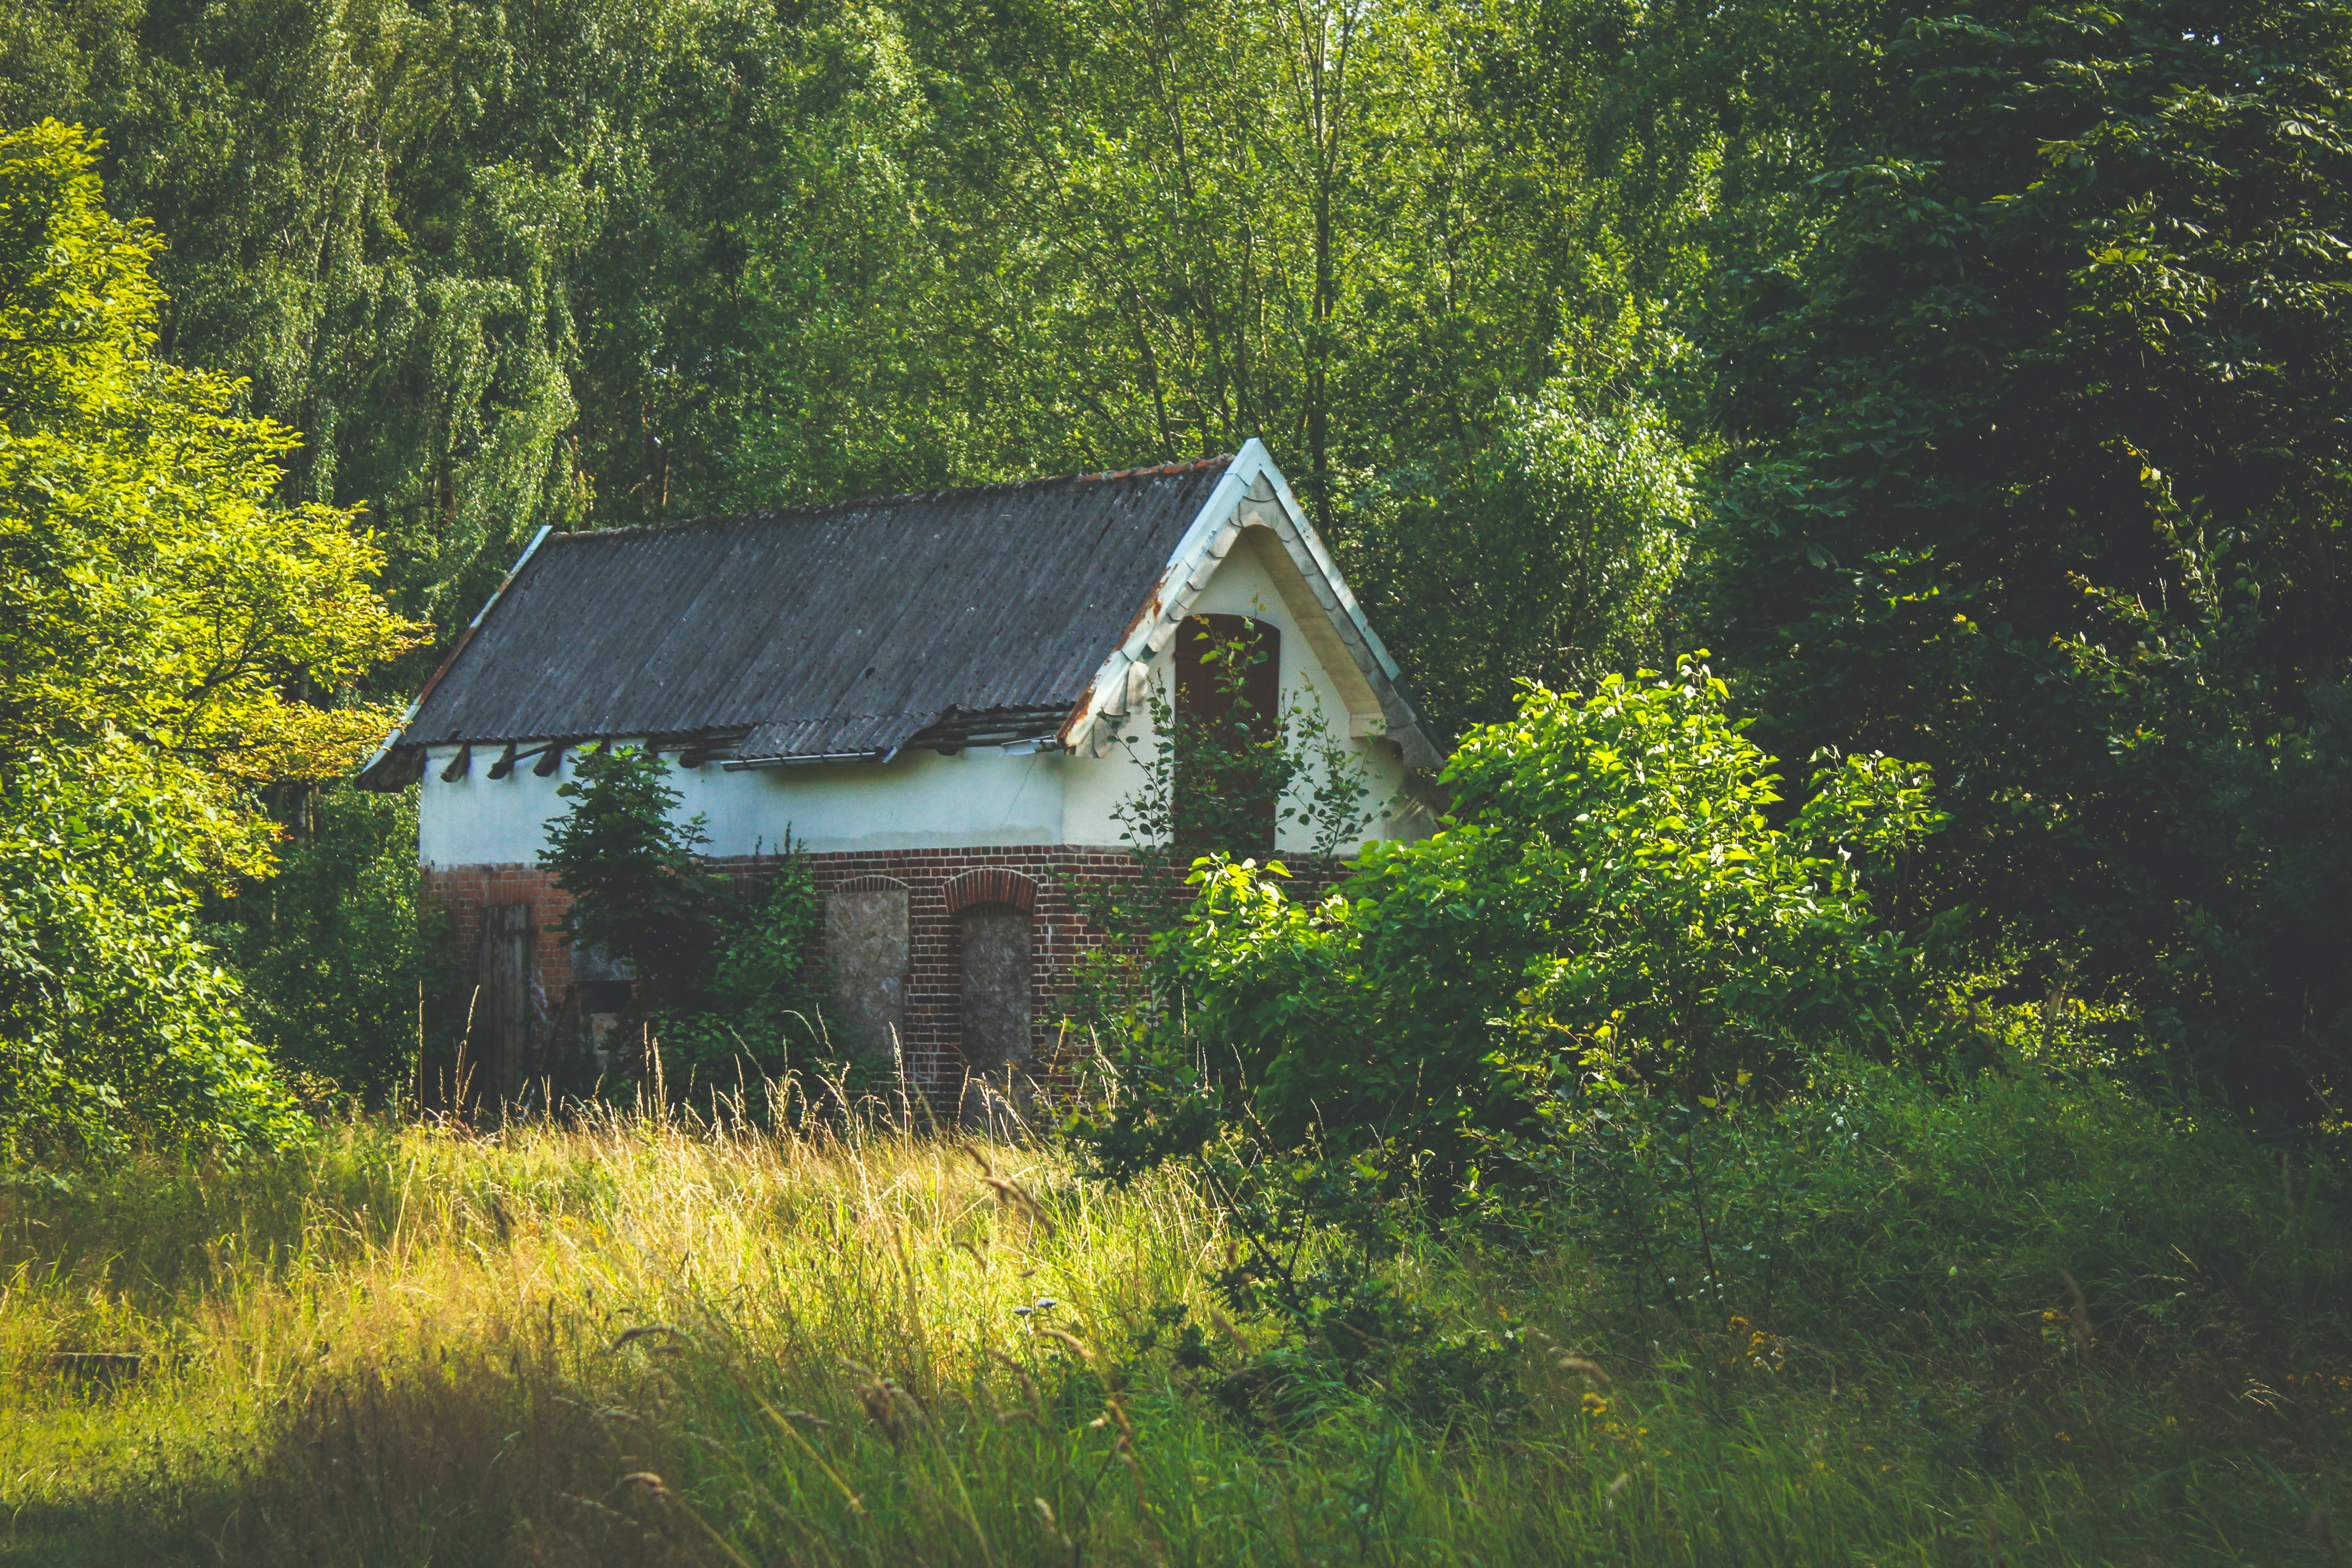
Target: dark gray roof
[820,631]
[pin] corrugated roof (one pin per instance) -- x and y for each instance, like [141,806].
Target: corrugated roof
[826,630]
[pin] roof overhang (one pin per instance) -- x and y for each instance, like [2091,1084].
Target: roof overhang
[395,765]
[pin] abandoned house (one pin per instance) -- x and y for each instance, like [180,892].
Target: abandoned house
[944,697]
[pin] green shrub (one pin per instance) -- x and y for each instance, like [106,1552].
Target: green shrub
[1608,917]
[724,965]
[1884,1202]
[631,868]
[1608,902]
[761,1001]
[335,951]
[115,1018]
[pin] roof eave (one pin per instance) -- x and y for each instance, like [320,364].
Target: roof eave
[372,774]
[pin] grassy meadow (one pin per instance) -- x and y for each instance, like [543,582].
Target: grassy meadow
[644,1341]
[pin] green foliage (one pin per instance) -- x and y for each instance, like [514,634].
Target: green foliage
[1882,1197]
[155,606]
[2045,486]
[723,965]
[116,1021]
[1607,899]
[1314,1236]
[169,637]
[631,870]
[762,999]
[1606,917]
[335,953]
[1557,547]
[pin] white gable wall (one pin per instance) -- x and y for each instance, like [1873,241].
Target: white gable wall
[1252,581]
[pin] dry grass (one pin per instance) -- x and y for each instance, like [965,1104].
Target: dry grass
[477,1338]
[647,1343]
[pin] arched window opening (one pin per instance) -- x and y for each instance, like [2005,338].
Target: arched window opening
[1228,697]
[995,940]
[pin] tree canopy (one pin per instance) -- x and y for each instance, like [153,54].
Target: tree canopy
[170,636]
[1968,380]
[2043,481]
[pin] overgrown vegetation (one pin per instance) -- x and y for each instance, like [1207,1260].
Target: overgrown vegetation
[169,637]
[1221,772]
[339,958]
[725,969]
[669,1344]
[1672,1159]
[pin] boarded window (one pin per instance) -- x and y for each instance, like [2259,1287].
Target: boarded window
[995,1013]
[1228,695]
[866,944]
[996,987]
[604,986]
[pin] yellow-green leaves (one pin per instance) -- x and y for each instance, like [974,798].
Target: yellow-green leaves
[1632,918]
[170,635]
[160,608]
[77,301]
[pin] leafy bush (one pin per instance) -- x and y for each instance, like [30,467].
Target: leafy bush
[1965,1212]
[1608,902]
[637,890]
[334,950]
[724,965]
[115,1018]
[1311,1237]
[761,998]
[1607,918]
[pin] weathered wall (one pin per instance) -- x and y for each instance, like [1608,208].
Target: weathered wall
[939,885]
[976,798]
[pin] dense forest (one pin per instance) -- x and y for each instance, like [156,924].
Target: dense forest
[1863,491]
[1971,386]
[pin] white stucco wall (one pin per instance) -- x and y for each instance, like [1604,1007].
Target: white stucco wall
[978,798]
[921,800]
[1250,582]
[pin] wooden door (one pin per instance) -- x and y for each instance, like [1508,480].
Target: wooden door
[498,1045]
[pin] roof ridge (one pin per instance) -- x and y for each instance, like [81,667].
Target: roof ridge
[908,497]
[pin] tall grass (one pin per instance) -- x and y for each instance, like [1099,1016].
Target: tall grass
[642,1341]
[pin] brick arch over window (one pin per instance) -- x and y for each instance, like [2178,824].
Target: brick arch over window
[871,885]
[991,885]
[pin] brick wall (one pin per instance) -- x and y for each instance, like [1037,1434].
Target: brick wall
[939,883]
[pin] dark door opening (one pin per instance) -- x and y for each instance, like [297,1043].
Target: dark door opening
[1228,692]
[493,1056]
